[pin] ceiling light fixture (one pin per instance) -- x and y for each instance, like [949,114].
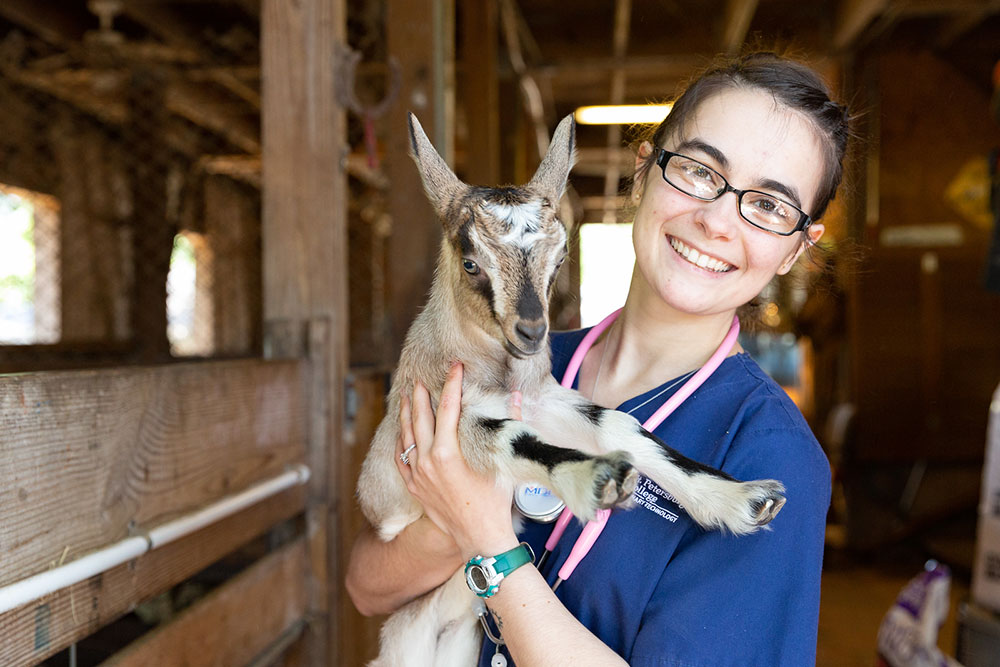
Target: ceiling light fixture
[621,114]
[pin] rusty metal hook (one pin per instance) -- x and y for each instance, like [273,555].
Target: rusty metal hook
[347,60]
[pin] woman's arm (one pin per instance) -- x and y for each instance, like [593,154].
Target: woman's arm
[381,576]
[539,630]
[475,512]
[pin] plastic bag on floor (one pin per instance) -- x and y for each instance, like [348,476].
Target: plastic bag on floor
[909,631]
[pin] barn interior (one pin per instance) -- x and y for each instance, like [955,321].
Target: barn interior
[213,241]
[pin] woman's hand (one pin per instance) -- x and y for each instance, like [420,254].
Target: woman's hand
[473,509]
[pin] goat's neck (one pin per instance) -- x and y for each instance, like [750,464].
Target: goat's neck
[440,334]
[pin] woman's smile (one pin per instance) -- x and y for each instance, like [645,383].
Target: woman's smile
[699,259]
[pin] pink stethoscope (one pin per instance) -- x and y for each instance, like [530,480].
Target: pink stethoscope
[593,528]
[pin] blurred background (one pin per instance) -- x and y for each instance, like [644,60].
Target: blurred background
[140,166]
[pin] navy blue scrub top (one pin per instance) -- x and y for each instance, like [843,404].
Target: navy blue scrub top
[659,590]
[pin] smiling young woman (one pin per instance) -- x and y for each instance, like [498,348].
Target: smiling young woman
[728,192]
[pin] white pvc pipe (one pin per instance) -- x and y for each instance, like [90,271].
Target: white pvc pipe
[26,590]
[37,586]
[185,525]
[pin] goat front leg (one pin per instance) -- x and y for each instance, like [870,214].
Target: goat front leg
[711,497]
[515,452]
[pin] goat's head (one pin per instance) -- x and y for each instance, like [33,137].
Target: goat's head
[503,246]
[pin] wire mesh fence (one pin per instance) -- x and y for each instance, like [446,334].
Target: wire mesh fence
[130,185]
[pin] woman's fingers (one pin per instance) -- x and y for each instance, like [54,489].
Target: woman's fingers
[422,418]
[405,439]
[450,405]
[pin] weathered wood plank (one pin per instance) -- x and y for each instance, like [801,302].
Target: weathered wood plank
[106,450]
[231,625]
[369,386]
[35,631]
[304,255]
[479,91]
[416,233]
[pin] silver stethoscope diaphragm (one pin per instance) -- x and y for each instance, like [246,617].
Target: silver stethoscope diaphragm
[537,503]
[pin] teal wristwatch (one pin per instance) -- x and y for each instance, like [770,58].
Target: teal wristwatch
[483,575]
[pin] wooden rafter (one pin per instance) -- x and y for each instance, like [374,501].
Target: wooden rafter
[175,29]
[206,109]
[54,26]
[100,93]
[853,17]
[161,20]
[612,177]
[962,23]
[510,26]
[737,18]
[673,66]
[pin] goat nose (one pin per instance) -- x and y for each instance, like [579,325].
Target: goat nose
[531,332]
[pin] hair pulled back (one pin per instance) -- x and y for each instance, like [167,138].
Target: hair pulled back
[793,85]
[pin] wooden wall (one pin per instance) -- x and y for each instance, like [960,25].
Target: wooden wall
[925,331]
[91,457]
[924,334]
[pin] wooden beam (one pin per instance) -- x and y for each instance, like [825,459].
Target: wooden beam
[304,253]
[531,93]
[963,23]
[912,8]
[108,450]
[59,26]
[479,91]
[203,107]
[176,29]
[33,632]
[736,22]
[369,386]
[153,230]
[165,22]
[233,624]
[75,90]
[585,71]
[194,99]
[612,177]
[94,290]
[853,16]
[413,243]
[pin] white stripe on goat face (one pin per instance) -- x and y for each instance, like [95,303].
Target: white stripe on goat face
[522,219]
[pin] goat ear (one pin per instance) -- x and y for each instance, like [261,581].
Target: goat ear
[555,167]
[440,182]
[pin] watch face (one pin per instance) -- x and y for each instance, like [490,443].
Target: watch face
[478,578]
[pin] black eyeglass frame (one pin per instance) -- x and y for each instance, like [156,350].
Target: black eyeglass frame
[663,156]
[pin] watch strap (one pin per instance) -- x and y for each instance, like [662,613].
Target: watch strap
[512,559]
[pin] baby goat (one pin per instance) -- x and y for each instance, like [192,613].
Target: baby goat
[488,308]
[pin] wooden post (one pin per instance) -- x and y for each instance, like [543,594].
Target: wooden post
[304,200]
[411,34]
[153,233]
[480,91]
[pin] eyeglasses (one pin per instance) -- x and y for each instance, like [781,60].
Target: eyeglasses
[760,209]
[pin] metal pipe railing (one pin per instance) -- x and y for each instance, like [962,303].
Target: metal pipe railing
[41,584]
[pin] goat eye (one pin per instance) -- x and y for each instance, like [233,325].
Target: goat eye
[470,267]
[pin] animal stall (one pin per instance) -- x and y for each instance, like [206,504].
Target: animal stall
[154,512]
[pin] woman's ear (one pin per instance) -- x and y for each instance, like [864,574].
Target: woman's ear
[641,159]
[812,237]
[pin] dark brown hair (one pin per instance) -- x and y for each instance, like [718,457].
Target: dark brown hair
[793,85]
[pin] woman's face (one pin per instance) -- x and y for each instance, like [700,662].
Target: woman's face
[755,144]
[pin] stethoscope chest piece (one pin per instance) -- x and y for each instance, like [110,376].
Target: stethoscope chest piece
[537,503]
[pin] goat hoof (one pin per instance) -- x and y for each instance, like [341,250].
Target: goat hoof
[616,479]
[767,502]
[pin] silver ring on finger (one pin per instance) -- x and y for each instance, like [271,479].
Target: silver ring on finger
[405,455]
